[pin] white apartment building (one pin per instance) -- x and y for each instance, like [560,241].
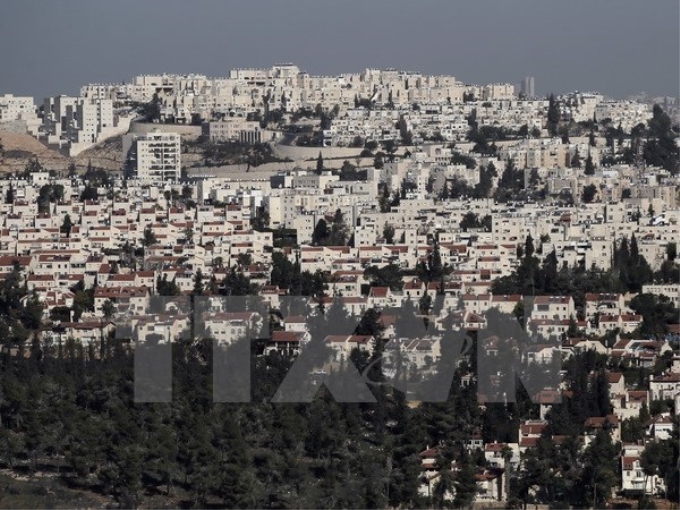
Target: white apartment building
[528,87]
[154,156]
[626,113]
[579,106]
[88,120]
[76,123]
[99,91]
[235,130]
[498,91]
[671,290]
[55,117]
[19,115]
[16,108]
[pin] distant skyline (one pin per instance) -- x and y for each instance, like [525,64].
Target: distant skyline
[615,47]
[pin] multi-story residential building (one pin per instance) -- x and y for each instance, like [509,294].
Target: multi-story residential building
[627,114]
[73,124]
[527,87]
[553,307]
[235,130]
[671,290]
[88,120]
[154,156]
[16,108]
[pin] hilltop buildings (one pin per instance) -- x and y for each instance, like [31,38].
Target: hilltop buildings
[73,124]
[393,226]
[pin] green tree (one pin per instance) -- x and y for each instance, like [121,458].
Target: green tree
[149,237]
[529,246]
[600,470]
[510,183]
[152,110]
[661,149]
[339,232]
[388,233]
[553,115]
[319,164]
[198,284]
[66,225]
[310,284]
[31,167]
[167,288]
[321,233]
[261,220]
[378,162]
[31,313]
[589,193]
[632,430]
[385,199]
[89,193]
[389,275]
[189,235]
[465,485]
[244,260]
[470,220]
[10,195]
[108,309]
[590,167]
[237,284]
[564,134]
[485,184]
[657,313]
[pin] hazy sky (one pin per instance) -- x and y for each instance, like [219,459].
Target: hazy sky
[616,47]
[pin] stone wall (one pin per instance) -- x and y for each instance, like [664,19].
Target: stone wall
[190,132]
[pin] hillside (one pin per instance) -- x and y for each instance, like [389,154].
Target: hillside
[19,149]
[107,155]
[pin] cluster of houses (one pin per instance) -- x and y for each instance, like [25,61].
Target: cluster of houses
[207,228]
[129,242]
[505,459]
[374,105]
[185,232]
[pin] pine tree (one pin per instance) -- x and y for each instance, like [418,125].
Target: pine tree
[388,233]
[67,225]
[385,199]
[600,472]
[436,267]
[321,233]
[553,116]
[339,230]
[149,237]
[9,197]
[590,167]
[198,283]
[319,164]
[529,246]
[465,484]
